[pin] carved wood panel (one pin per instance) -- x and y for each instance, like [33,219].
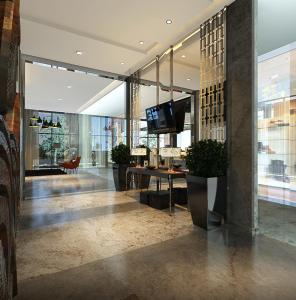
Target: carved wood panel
[9,149]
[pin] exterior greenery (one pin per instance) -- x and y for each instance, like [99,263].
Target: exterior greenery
[207,158]
[121,154]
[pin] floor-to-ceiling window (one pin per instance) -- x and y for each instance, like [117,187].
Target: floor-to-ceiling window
[277,125]
[276,132]
[91,137]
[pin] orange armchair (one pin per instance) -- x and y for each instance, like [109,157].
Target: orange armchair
[71,165]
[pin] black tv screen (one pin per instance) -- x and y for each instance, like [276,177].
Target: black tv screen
[161,118]
[180,109]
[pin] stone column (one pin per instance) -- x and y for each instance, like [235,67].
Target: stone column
[241,114]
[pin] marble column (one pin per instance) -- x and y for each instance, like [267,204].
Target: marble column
[241,114]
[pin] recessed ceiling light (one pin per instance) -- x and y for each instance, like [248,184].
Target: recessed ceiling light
[78,52]
[60,99]
[188,79]
[183,56]
[141,42]
[169,21]
[69,86]
[122,63]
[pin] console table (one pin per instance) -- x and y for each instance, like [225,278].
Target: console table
[160,173]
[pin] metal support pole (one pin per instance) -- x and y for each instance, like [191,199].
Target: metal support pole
[170,191]
[157,103]
[173,136]
[194,114]
[172,73]
[128,111]
[22,84]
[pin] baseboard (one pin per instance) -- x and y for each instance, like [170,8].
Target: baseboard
[44,172]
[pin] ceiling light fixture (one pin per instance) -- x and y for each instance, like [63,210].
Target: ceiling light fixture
[69,86]
[183,56]
[122,63]
[60,99]
[169,21]
[188,79]
[141,42]
[78,52]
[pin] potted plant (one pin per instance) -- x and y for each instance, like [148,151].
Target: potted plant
[207,163]
[143,181]
[121,158]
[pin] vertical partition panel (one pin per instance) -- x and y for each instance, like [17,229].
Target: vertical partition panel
[212,70]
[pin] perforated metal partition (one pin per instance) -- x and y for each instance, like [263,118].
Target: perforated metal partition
[212,76]
[135,109]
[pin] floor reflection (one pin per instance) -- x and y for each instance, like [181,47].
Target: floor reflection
[57,185]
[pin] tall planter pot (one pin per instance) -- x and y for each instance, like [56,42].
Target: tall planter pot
[119,175]
[207,199]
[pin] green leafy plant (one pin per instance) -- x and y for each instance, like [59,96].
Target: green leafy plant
[121,154]
[207,158]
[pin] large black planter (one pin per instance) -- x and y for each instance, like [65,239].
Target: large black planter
[119,175]
[207,200]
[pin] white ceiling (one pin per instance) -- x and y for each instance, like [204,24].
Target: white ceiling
[111,104]
[44,86]
[183,68]
[276,24]
[108,32]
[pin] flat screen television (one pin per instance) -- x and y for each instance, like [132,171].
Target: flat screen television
[167,117]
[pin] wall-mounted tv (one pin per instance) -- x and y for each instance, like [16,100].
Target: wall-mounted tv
[167,117]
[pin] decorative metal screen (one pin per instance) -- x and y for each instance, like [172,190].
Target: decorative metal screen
[135,110]
[212,77]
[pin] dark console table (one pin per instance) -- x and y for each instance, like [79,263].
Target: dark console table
[160,173]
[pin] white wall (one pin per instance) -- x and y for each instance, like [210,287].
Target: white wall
[276,24]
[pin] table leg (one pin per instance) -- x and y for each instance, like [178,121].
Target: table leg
[170,188]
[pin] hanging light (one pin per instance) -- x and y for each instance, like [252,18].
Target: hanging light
[58,123]
[50,124]
[44,123]
[39,121]
[33,124]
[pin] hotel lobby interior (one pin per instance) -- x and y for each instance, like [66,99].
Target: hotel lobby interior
[147,149]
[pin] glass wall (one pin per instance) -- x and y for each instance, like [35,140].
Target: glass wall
[91,137]
[276,93]
[277,125]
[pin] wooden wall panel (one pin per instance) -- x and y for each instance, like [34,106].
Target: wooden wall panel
[9,145]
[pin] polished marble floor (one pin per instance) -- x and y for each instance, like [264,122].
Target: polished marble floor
[102,244]
[87,180]
[278,221]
